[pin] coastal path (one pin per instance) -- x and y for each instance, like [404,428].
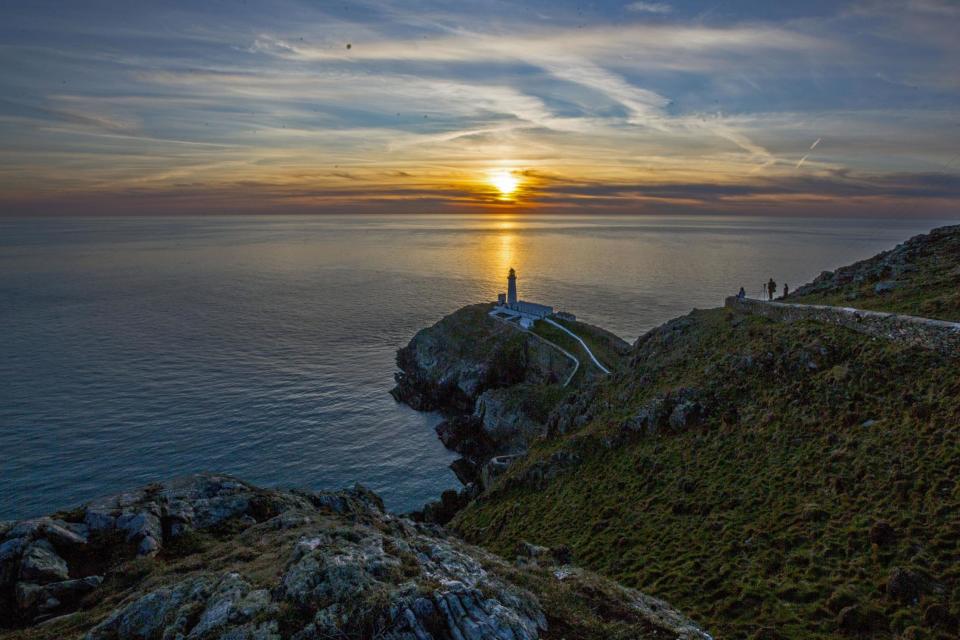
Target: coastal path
[582,344]
[575,359]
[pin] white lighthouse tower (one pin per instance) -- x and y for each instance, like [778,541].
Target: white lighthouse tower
[512,309]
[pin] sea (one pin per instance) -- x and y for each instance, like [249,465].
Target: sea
[135,349]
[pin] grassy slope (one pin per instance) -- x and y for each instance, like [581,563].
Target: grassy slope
[758,521]
[925,273]
[609,348]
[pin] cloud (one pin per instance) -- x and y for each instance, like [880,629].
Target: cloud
[649,7]
[259,108]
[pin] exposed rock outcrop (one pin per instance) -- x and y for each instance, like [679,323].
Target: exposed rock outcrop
[247,563]
[449,365]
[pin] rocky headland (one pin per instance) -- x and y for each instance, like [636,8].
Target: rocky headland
[498,387]
[208,556]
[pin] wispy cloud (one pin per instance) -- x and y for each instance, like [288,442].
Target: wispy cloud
[624,108]
[649,7]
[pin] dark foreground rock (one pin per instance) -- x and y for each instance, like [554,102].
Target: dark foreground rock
[213,557]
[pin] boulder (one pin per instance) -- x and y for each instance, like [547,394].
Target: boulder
[41,564]
[233,601]
[10,552]
[165,612]
[47,598]
[143,528]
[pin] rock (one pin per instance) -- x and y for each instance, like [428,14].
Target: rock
[10,552]
[466,436]
[66,534]
[164,612]
[478,370]
[686,414]
[49,597]
[148,547]
[318,565]
[143,528]
[494,468]
[883,287]
[465,471]
[882,534]
[99,519]
[232,601]
[502,415]
[551,555]
[651,417]
[41,564]
[56,531]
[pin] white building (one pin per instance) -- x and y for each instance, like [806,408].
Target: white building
[523,312]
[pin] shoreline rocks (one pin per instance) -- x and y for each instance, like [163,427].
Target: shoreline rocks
[297,564]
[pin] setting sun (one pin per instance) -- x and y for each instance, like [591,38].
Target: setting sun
[505,182]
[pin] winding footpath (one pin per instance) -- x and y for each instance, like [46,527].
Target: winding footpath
[582,344]
[576,360]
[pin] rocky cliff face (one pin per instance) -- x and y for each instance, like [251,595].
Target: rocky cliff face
[213,557]
[495,383]
[449,365]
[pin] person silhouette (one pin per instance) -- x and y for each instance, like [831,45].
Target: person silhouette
[741,294]
[771,289]
[786,290]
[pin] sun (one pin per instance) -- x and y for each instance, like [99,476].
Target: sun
[505,182]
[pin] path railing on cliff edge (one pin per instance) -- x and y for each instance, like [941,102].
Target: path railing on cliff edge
[938,335]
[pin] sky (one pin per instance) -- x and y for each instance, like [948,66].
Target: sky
[382,106]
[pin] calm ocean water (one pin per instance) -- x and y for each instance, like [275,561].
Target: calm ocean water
[137,349]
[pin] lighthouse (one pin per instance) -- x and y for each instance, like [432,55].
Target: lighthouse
[512,287]
[512,309]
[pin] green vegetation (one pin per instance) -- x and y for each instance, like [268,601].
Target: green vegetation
[610,349]
[817,495]
[920,277]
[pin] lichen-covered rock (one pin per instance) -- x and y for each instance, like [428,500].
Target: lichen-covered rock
[163,613]
[41,564]
[327,565]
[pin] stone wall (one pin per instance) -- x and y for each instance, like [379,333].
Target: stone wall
[938,335]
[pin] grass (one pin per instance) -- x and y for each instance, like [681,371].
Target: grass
[610,349]
[758,522]
[924,273]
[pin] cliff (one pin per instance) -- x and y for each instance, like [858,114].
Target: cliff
[495,384]
[209,557]
[449,365]
[919,277]
[774,479]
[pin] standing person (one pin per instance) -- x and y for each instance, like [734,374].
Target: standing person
[771,289]
[741,294]
[786,290]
